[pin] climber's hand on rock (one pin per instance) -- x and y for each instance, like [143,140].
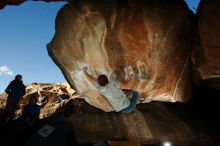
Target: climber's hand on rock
[85,69]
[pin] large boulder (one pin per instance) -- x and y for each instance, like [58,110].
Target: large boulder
[151,124]
[51,91]
[149,41]
[206,53]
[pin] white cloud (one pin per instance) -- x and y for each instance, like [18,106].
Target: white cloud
[4,70]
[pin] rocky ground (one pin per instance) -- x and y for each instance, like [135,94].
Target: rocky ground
[53,110]
[52,92]
[78,123]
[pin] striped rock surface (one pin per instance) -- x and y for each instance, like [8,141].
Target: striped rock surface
[132,39]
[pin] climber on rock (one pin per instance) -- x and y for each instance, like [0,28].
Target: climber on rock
[112,90]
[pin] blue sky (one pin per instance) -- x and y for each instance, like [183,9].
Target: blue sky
[193,4]
[24,32]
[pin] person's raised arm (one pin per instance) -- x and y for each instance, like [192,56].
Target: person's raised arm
[91,78]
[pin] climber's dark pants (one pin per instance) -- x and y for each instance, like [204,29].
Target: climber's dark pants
[134,99]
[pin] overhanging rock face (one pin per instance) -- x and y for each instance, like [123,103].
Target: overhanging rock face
[206,54]
[145,40]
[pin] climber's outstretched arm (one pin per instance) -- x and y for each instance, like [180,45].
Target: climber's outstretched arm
[91,78]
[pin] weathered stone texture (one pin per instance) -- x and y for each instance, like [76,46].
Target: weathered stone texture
[145,40]
[152,124]
[206,53]
[52,93]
